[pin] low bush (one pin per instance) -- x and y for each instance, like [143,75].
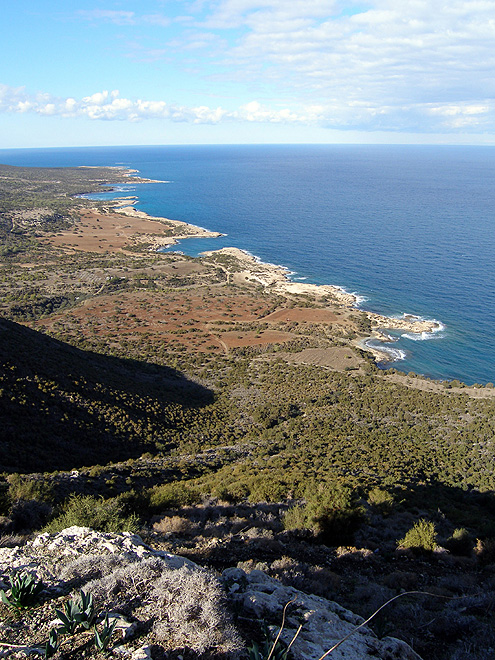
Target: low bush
[174,525]
[381,500]
[421,537]
[485,550]
[330,512]
[97,513]
[267,488]
[460,543]
[172,496]
[28,515]
[29,488]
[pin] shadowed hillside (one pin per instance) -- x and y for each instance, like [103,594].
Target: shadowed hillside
[63,408]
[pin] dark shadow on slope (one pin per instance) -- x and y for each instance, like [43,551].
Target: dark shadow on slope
[62,407]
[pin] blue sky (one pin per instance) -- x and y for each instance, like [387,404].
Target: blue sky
[109,72]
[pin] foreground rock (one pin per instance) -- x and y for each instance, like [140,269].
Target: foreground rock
[324,622]
[165,603]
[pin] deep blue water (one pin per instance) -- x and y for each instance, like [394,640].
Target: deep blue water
[410,228]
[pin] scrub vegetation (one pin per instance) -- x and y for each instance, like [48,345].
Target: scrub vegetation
[147,392]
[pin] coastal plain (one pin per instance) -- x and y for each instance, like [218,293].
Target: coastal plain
[231,416]
[326,310]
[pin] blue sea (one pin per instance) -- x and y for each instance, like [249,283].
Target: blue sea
[410,229]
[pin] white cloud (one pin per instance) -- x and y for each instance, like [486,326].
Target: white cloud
[353,114]
[465,116]
[374,63]
[109,16]
[123,17]
[392,53]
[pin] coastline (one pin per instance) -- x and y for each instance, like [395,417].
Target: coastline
[250,269]
[185,229]
[275,279]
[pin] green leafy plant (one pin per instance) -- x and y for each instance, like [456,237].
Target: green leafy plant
[272,648]
[52,644]
[95,512]
[268,648]
[102,639]
[76,612]
[25,591]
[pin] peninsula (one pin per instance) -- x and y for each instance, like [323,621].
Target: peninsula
[231,417]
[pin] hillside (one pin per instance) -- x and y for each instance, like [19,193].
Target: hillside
[232,420]
[64,407]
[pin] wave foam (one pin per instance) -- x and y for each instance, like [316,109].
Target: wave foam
[425,336]
[392,354]
[422,336]
[360,299]
[268,263]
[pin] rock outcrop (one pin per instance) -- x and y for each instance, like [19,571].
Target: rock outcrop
[324,621]
[163,601]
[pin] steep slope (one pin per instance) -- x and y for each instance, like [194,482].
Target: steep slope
[62,407]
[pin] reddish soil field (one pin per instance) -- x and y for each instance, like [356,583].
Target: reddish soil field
[337,358]
[200,320]
[253,338]
[304,315]
[101,232]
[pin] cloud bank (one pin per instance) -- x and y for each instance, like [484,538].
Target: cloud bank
[110,106]
[421,66]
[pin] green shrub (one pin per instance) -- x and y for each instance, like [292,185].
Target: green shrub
[172,496]
[267,488]
[296,518]
[28,515]
[4,499]
[421,537]
[330,512]
[381,500]
[460,543]
[485,550]
[231,492]
[97,513]
[27,488]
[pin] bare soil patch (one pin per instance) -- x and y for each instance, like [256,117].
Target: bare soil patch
[101,232]
[253,338]
[338,358]
[196,319]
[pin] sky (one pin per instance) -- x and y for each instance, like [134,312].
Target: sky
[109,72]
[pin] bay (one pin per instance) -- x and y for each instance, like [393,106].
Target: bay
[411,229]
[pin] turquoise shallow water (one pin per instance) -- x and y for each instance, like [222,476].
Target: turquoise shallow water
[411,229]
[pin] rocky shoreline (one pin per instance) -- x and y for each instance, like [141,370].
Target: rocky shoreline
[246,268]
[275,278]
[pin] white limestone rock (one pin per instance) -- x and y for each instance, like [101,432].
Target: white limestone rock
[79,551]
[324,621]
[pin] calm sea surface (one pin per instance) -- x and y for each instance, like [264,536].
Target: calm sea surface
[411,229]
